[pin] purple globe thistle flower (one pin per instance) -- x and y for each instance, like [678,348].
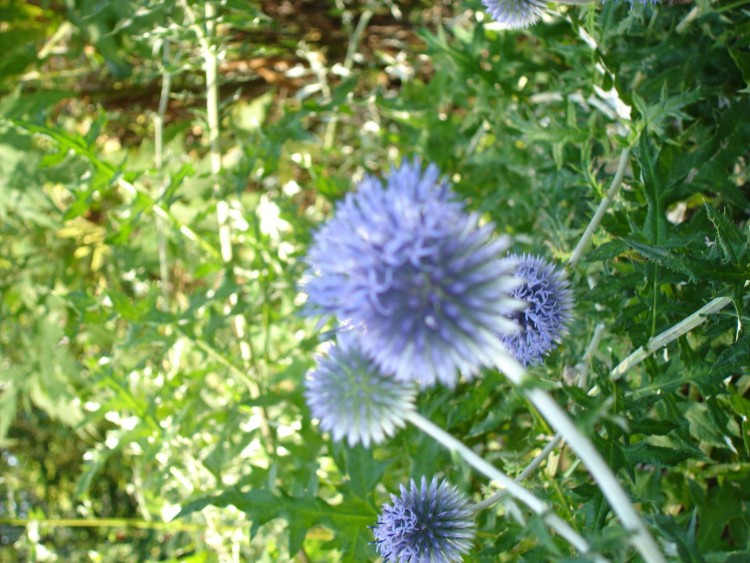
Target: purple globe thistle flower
[352,399]
[425,525]
[515,14]
[544,320]
[644,2]
[416,275]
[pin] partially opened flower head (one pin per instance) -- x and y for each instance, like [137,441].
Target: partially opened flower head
[515,14]
[548,311]
[351,398]
[426,524]
[418,276]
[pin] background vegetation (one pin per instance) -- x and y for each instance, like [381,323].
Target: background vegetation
[151,355]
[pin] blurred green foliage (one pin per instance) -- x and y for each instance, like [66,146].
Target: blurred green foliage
[145,374]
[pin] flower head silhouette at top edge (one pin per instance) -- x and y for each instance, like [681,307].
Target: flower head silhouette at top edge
[515,14]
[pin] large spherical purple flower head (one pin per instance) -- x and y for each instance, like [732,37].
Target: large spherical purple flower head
[416,274]
[352,399]
[515,14]
[426,524]
[548,311]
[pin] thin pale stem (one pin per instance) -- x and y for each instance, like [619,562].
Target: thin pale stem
[619,501]
[601,210]
[212,116]
[103,523]
[600,471]
[656,343]
[537,461]
[582,369]
[351,50]
[166,82]
[504,481]
[666,337]
[205,36]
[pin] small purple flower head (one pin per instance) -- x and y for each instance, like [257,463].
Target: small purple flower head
[544,320]
[644,2]
[425,525]
[515,14]
[352,399]
[416,275]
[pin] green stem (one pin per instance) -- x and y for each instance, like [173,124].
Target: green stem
[103,523]
[601,210]
[161,238]
[504,481]
[351,50]
[672,333]
[600,471]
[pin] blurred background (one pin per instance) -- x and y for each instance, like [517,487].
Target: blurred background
[162,165]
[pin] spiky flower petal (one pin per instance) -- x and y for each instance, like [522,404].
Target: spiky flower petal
[515,14]
[352,399]
[544,320]
[415,273]
[426,524]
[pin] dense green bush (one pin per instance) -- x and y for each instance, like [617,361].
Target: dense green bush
[152,236]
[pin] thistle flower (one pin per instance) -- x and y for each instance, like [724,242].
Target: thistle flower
[544,320]
[352,399]
[644,2]
[416,274]
[515,14]
[425,525]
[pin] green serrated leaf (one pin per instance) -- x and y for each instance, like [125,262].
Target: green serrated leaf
[643,452]
[731,241]
[694,268]
[703,427]
[349,520]
[734,359]
[363,470]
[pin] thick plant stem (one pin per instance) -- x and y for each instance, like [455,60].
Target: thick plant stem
[602,474]
[600,471]
[582,376]
[511,486]
[601,210]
